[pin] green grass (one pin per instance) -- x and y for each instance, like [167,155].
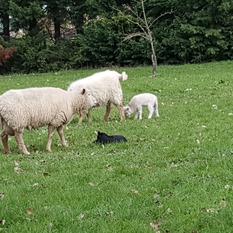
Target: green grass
[175,170]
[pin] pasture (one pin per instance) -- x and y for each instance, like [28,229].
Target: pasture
[174,174]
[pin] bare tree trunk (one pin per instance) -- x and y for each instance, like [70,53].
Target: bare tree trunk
[57,30]
[153,59]
[153,56]
[6,27]
[33,27]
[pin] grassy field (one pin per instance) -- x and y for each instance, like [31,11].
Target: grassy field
[175,173]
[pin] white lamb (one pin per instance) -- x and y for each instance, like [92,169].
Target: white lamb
[105,87]
[138,101]
[32,108]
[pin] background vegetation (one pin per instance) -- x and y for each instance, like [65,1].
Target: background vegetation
[65,34]
[173,175]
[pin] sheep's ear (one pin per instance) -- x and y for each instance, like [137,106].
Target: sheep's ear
[124,76]
[83,91]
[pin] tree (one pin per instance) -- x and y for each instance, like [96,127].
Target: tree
[57,11]
[139,17]
[206,26]
[77,11]
[85,10]
[26,14]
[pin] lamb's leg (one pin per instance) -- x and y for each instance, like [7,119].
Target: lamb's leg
[61,135]
[136,115]
[108,110]
[51,130]
[156,109]
[4,137]
[151,111]
[121,111]
[140,112]
[20,142]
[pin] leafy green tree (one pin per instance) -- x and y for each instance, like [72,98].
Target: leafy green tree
[58,12]
[77,15]
[83,11]
[26,14]
[99,42]
[200,31]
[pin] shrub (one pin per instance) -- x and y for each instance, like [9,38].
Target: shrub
[6,53]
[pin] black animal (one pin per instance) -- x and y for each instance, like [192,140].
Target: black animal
[104,138]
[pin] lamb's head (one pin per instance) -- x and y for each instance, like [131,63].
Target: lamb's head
[90,98]
[128,111]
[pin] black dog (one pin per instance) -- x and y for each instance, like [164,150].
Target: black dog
[104,138]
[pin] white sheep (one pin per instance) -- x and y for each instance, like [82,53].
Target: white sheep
[140,100]
[32,108]
[105,87]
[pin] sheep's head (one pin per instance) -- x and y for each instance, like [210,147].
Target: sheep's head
[91,99]
[127,111]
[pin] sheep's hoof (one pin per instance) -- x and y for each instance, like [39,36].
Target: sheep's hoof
[65,144]
[26,153]
[49,150]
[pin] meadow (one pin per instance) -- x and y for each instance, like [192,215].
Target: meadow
[175,173]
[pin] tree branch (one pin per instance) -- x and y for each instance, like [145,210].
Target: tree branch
[160,16]
[127,7]
[130,36]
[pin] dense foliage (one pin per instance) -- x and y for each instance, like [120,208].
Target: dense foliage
[183,32]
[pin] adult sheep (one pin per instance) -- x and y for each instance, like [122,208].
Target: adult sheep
[32,108]
[105,87]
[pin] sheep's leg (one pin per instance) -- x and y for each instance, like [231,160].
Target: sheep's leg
[61,135]
[51,130]
[108,110]
[81,115]
[80,119]
[136,115]
[9,131]
[20,142]
[89,116]
[151,111]
[4,137]
[121,111]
